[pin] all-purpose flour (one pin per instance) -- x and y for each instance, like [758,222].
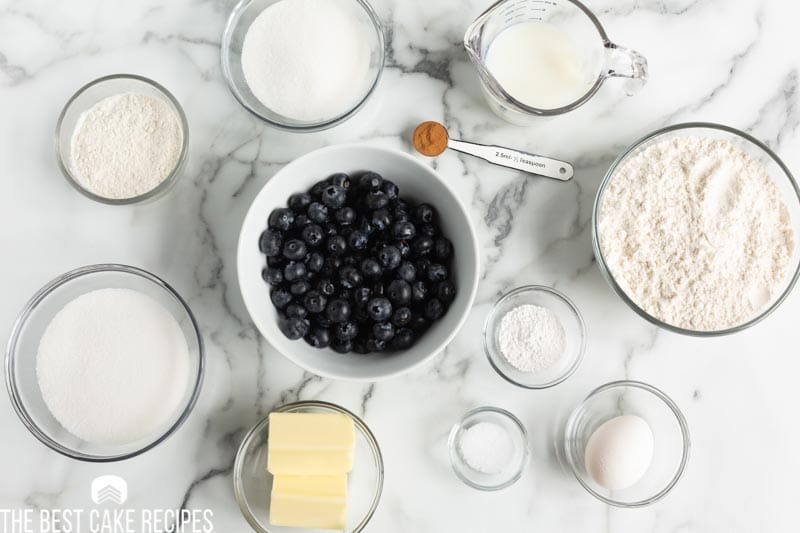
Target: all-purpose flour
[113,366]
[695,232]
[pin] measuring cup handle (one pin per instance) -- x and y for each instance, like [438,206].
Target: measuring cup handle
[623,62]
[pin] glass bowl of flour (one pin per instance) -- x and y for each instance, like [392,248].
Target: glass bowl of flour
[695,227]
[534,337]
[104,363]
[122,139]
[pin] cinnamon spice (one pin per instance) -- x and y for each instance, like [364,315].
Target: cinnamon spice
[430,138]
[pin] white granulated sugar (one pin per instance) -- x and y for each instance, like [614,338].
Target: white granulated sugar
[695,232]
[125,145]
[306,59]
[531,338]
[113,366]
[486,447]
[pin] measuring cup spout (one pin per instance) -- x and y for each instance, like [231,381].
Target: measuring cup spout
[623,62]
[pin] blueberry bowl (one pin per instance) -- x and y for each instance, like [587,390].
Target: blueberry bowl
[417,183]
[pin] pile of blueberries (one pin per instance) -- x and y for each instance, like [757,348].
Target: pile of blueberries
[354,266]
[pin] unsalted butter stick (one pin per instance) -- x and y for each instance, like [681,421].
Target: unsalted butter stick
[317,444]
[309,501]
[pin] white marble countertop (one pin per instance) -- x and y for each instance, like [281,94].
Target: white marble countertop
[716,60]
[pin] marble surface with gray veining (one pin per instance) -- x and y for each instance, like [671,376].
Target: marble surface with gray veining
[734,62]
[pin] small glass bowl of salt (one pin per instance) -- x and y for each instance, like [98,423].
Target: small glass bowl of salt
[488,448]
[534,337]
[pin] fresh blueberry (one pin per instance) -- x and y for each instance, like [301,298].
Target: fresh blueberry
[390,258]
[403,230]
[383,331]
[399,292]
[331,266]
[345,216]
[437,273]
[375,200]
[378,288]
[294,328]
[336,245]
[281,219]
[401,317]
[371,268]
[422,267]
[371,181]
[419,291]
[442,249]
[300,221]
[315,302]
[361,296]
[294,250]
[299,202]
[299,288]
[433,309]
[318,338]
[350,277]
[345,331]
[314,262]
[334,196]
[365,227]
[390,189]
[407,271]
[381,219]
[357,240]
[273,276]
[425,213]
[317,213]
[276,261]
[280,297]
[340,179]
[422,245]
[338,310]
[312,235]
[446,291]
[375,346]
[295,311]
[294,270]
[419,323]
[326,287]
[340,346]
[270,242]
[403,339]
[404,247]
[379,309]
[318,187]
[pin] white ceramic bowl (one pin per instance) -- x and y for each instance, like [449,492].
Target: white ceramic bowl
[417,182]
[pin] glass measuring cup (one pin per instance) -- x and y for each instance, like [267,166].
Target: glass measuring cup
[599,58]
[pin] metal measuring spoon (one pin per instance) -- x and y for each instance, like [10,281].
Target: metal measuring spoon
[431,139]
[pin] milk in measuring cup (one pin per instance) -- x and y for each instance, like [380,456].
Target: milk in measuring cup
[537,64]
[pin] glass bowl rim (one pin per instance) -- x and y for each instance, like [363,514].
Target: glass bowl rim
[671,405]
[11,356]
[159,189]
[558,295]
[601,261]
[262,423]
[227,37]
[453,453]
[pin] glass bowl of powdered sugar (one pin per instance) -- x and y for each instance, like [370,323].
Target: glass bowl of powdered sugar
[534,337]
[104,363]
[122,139]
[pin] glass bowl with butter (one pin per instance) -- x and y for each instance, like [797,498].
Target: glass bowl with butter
[318,478]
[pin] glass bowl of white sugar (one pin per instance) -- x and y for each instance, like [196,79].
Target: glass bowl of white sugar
[303,65]
[122,139]
[104,363]
[534,337]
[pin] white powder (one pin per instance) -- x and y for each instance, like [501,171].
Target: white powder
[306,59]
[531,338]
[695,232]
[486,447]
[125,145]
[113,366]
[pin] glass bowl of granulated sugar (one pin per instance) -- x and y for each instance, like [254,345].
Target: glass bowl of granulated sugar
[534,337]
[104,363]
[122,139]
[695,227]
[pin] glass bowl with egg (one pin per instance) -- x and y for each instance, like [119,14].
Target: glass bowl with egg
[627,444]
[253,483]
[303,65]
[548,361]
[712,255]
[128,396]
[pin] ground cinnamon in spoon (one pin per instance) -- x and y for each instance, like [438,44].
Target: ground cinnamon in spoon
[430,138]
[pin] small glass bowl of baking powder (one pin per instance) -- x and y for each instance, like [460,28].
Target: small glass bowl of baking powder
[488,448]
[95,92]
[546,332]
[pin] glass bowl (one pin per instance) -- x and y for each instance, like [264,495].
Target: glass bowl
[670,434]
[252,483]
[781,176]
[568,315]
[89,95]
[239,22]
[519,456]
[23,385]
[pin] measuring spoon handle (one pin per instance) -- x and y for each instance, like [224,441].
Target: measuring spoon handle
[516,159]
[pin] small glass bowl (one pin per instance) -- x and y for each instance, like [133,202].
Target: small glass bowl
[89,95]
[776,168]
[23,385]
[670,435]
[568,315]
[239,22]
[252,483]
[519,458]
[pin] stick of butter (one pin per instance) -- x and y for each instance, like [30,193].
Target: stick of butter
[309,501]
[315,444]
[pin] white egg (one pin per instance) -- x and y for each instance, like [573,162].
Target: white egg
[619,452]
